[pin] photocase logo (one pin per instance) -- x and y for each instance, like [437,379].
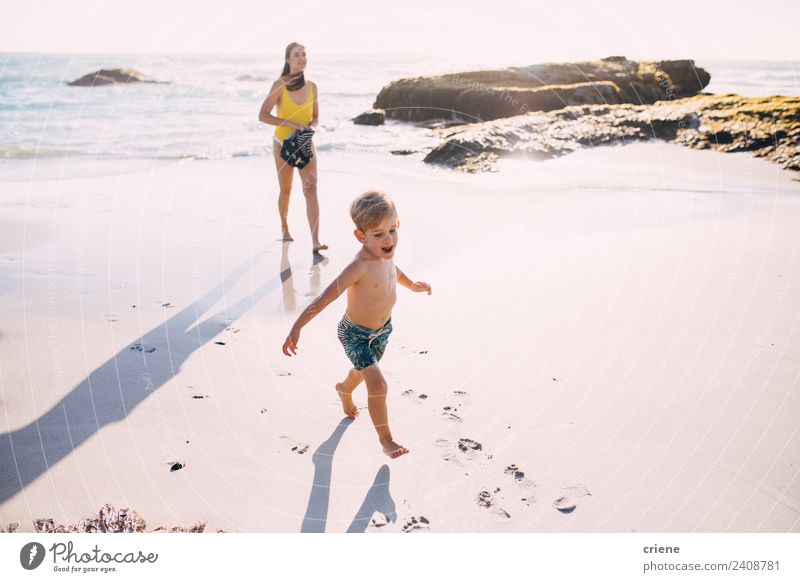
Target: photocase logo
[31,555]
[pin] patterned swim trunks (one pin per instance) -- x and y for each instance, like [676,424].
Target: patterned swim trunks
[364,346]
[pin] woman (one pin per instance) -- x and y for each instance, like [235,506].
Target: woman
[296,100]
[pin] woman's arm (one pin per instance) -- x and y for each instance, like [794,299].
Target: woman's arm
[265,115]
[315,114]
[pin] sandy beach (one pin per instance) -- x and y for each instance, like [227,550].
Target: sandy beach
[614,331]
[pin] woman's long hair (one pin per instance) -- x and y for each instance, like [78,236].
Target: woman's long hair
[294,82]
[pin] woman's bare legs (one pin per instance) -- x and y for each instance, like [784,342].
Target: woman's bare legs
[285,173]
[309,177]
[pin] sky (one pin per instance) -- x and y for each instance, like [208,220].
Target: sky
[515,30]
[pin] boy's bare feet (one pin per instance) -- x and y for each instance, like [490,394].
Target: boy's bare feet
[320,247]
[349,407]
[394,450]
[286,236]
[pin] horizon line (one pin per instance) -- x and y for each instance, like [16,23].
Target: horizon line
[382,54]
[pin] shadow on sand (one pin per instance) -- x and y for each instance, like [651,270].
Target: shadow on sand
[118,385]
[378,497]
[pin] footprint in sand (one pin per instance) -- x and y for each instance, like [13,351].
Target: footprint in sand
[568,500]
[143,348]
[449,454]
[417,524]
[452,406]
[487,500]
[380,520]
[453,457]
[464,448]
[412,396]
[514,471]
[168,305]
[523,482]
[450,416]
[466,445]
[294,446]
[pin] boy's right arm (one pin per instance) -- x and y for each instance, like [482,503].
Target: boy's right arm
[350,276]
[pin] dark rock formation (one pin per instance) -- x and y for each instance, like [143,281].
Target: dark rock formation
[485,95]
[111,77]
[768,127]
[372,117]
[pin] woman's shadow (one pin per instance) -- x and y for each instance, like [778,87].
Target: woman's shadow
[288,277]
[378,497]
[114,389]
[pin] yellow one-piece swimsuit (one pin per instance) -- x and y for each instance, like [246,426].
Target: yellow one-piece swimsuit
[291,111]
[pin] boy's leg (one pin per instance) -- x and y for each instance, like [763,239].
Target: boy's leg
[378,412]
[345,391]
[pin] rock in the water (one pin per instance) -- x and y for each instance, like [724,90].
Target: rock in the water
[682,77]
[372,117]
[766,126]
[485,95]
[111,77]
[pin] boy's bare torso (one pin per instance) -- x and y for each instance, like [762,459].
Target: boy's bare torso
[371,299]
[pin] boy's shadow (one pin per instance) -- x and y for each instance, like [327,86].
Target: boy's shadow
[378,497]
[114,389]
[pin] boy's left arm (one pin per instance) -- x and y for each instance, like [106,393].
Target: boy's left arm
[416,286]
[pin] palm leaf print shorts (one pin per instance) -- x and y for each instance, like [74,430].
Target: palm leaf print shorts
[364,346]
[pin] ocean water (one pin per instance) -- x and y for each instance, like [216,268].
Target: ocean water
[208,109]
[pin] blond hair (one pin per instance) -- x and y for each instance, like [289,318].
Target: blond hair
[369,209]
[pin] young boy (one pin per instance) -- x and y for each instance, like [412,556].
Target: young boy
[371,280]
